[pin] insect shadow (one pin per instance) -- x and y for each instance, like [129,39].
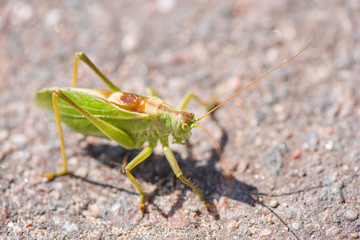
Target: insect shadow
[156,170]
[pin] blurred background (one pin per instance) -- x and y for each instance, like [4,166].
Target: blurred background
[290,163]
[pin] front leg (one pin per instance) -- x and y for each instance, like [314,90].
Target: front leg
[175,167]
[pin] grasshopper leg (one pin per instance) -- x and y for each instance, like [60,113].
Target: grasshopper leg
[64,171]
[144,154]
[151,92]
[183,104]
[179,174]
[82,56]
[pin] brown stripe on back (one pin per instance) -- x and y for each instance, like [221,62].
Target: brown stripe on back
[128,101]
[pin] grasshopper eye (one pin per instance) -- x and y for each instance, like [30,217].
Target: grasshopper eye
[184,126]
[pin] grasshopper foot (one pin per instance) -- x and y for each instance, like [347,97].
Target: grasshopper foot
[208,206]
[51,176]
[211,208]
[142,207]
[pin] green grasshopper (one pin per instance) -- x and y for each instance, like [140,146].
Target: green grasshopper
[129,119]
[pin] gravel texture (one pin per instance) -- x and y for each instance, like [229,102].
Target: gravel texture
[291,142]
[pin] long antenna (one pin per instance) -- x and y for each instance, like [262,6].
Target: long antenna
[215,143]
[253,82]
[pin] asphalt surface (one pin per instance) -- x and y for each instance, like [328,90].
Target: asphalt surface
[291,142]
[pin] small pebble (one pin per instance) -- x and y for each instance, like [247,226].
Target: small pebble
[351,215]
[294,173]
[58,186]
[242,230]
[19,139]
[165,6]
[355,235]
[333,231]
[52,18]
[323,194]
[205,28]
[5,149]
[295,226]
[296,154]
[330,130]
[21,12]
[318,169]
[329,145]
[274,157]
[312,141]
[95,210]
[233,226]
[260,116]
[24,155]
[4,134]
[129,42]
[82,172]
[265,232]
[10,225]
[274,204]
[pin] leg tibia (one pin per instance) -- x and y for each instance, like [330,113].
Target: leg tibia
[82,56]
[64,171]
[194,188]
[175,167]
[144,154]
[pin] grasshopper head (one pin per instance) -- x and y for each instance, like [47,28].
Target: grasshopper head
[185,121]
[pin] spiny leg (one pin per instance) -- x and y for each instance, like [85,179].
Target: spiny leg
[64,171]
[183,104]
[179,174]
[144,154]
[82,56]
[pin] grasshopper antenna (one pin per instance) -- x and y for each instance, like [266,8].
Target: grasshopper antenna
[266,74]
[215,143]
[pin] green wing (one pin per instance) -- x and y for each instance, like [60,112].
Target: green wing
[133,123]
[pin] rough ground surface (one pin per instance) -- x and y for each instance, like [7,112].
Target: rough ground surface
[290,167]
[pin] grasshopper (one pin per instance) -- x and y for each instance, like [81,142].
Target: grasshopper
[129,119]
